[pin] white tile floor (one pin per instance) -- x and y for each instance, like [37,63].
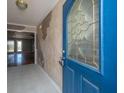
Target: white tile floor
[28,79]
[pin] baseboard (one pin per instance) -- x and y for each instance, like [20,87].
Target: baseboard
[53,82]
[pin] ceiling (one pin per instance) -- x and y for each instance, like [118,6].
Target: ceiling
[37,10]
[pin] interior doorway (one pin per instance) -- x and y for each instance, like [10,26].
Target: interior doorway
[20,48]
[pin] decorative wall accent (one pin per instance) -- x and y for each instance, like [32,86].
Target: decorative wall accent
[45,24]
[50,40]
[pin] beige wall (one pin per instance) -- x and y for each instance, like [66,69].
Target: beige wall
[50,39]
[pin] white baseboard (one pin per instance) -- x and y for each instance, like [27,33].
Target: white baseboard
[54,84]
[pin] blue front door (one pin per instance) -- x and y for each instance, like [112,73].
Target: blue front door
[89,46]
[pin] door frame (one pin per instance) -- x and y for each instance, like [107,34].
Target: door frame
[35,46]
[108,41]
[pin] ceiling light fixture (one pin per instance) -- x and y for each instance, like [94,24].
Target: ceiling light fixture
[21,4]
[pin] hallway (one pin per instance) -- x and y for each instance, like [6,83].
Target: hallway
[34,67]
[29,79]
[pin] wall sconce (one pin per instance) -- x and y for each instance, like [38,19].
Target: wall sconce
[21,4]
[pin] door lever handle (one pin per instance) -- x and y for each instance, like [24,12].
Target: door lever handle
[61,61]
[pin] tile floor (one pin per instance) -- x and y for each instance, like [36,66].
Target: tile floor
[29,79]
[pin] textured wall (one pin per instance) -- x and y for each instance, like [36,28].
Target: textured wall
[51,45]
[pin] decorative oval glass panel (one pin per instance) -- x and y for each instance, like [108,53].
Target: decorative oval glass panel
[83,32]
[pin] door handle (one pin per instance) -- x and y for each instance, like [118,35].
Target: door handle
[61,61]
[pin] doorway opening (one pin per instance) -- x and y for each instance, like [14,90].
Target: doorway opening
[20,48]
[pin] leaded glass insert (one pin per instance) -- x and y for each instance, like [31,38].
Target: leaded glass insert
[83,32]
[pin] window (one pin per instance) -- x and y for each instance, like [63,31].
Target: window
[10,46]
[83,32]
[19,46]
